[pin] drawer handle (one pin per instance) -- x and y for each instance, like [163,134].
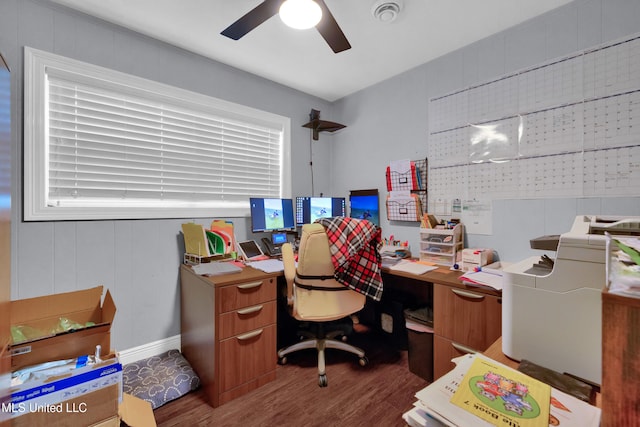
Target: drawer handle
[467,294]
[250,285]
[250,310]
[463,348]
[249,335]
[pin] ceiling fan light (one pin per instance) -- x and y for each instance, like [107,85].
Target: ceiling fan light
[300,14]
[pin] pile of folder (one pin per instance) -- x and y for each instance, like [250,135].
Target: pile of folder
[480,391]
[218,240]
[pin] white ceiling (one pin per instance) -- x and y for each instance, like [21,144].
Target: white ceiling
[301,59]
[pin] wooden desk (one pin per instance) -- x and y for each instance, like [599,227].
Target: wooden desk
[228,330]
[495,352]
[465,318]
[229,324]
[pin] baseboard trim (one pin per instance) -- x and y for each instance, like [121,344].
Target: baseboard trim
[150,349]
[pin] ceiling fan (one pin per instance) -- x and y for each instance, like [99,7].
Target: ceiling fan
[327,27]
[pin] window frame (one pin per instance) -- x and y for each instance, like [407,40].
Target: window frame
[36,143]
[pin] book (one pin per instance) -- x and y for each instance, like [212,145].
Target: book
[502,395]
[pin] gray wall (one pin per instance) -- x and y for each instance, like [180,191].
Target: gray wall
[389,121]
[138,260]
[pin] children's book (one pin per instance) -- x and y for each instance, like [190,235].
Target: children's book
[502,395]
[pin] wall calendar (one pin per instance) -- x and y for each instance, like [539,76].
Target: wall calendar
[566,128]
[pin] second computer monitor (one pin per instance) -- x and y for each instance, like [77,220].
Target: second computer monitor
[309,209]
[271,214]
[365,204]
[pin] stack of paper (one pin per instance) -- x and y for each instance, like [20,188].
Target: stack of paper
[216,268]
[412,267]
[482,392]
[492,279]
[268,265]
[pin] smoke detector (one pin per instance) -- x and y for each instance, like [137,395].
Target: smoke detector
[386,10]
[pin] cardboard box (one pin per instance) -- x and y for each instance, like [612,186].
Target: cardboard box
[111,422]
[136,412]
[82,397]
[475,258]
[44,313]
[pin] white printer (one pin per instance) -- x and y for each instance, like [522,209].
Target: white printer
[551,309]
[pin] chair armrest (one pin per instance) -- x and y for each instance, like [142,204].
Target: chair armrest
[289,262]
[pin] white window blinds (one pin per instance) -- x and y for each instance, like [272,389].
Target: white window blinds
[134,147]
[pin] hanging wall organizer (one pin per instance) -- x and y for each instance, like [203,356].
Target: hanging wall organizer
[407,186]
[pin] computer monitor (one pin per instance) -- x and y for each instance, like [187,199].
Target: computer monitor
[270,214]
[308,209]
[365,204]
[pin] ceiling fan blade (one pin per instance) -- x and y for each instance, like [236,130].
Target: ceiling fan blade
[252,19]
[330,30]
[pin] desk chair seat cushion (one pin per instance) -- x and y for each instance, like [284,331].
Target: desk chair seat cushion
[314,261]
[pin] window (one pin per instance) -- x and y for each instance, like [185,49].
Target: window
[100,144]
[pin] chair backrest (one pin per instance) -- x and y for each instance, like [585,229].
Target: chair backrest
[314,259]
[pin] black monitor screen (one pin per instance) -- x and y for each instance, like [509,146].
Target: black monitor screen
[365,206]
[308,209]
[271,214]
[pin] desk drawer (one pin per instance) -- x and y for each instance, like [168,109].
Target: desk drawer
[470,318]
[443,351]
[247,356]
[246,319]
[246,294]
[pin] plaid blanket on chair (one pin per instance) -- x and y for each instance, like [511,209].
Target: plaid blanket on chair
[353,244]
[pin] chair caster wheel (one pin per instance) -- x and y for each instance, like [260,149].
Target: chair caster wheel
[363,361]
[282,360]
[322,380]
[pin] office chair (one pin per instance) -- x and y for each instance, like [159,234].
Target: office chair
[314,296]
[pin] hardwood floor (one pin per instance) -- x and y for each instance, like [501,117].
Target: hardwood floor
[375,395]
